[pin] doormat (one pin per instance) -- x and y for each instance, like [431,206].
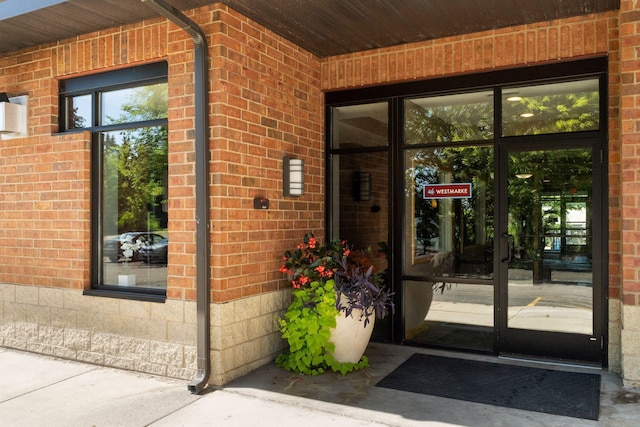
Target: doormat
[569,394]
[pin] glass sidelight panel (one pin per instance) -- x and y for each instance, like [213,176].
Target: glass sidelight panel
[449,205]
[359,176]
[360,208]
[550,276]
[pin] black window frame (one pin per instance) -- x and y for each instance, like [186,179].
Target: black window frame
[95,85]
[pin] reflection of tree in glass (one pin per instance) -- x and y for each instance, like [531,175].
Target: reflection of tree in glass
[143,103]
[468,122]
[142,160]
[76,121]
[570,112]
[559,173]
[454,165]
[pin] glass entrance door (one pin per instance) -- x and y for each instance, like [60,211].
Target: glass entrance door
[547,258]
[492,192]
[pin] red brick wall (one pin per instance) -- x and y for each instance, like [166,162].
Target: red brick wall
[517,47]
[629,155]
[45,178]
[264,103]
[44,211]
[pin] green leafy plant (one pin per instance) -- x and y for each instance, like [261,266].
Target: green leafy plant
[320,274]
[307,328]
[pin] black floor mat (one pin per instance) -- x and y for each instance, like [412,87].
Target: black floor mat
[569,394]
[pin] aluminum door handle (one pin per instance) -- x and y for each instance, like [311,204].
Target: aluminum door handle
[510,248]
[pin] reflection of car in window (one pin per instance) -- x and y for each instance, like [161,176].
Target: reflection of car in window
[113,247]
[156,252]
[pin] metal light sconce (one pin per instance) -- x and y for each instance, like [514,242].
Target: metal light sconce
[13,116]
[361,186]
[293,177]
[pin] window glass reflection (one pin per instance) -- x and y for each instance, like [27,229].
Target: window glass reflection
[364,125]
[134,104]
[450,226]
[552,108]
[134,192]
[78,111]
[452,118]
[360,209]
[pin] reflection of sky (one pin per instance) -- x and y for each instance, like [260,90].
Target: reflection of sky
[82,107]
[111,106]
[118,136]
[112,103]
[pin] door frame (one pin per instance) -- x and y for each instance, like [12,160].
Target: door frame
[595,66]
[578,348]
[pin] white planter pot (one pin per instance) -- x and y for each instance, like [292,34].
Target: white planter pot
[126,279]
[351,337]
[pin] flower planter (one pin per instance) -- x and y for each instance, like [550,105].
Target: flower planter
[126,279]
[318,274]
[351,337]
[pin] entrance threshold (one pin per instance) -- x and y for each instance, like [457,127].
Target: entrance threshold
[551,362]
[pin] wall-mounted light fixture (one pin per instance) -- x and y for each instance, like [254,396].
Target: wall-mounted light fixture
[13,116]
[361,186]
[292,177]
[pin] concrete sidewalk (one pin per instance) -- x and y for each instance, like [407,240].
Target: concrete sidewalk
[41,391]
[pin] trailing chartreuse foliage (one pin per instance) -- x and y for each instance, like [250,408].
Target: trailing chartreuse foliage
[306,326]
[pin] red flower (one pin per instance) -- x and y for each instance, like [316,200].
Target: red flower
[315,262]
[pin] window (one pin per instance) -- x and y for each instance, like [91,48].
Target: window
[360,126]
[451,118]
[551,108]
[359,168]
[126,111]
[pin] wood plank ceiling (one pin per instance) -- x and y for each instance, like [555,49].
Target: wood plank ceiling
[323,27]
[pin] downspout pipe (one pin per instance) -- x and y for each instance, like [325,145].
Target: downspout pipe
[199,382]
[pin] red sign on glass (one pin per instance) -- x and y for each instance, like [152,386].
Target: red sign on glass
[447,191]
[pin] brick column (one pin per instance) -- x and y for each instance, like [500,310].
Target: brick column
[630,193]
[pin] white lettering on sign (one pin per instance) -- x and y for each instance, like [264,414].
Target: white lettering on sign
[447,191]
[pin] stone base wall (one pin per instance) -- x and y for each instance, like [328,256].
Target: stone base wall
[630,348]
[141,336]
[614,336]
[154,338]
[244,334]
